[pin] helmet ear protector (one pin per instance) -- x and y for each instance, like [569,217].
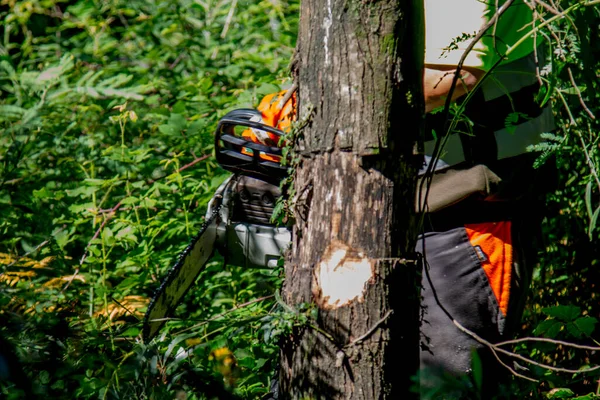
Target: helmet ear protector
[239,149]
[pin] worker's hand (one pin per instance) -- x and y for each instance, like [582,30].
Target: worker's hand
[438,80]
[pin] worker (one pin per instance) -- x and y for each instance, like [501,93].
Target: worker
[477,238]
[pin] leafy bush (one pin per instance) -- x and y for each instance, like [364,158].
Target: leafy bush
[107,110]
[107,115]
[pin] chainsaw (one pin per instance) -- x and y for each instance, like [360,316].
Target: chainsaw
[238,220]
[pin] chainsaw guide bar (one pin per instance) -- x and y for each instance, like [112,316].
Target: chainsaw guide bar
[180,278]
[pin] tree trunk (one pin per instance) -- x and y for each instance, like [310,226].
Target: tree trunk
[359,70]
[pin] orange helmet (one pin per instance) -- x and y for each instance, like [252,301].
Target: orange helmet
[274,114]
[250,140]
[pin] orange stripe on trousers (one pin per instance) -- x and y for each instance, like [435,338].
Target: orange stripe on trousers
[494,239]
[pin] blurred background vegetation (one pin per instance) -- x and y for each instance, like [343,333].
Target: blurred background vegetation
[107,110]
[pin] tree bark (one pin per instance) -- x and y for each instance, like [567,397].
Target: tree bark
[359,68]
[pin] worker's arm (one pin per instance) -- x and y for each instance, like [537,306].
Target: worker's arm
[438,80]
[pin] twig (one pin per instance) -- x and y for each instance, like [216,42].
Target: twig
[87,247]
[194,162]
[564,13]
[536,17]
[191,164]
[585,107]
[229,19]
[567,109]
[326,334]
[246,304]
[546,340]
[547,7]
[123,307]
[177,60]
[588,158]
[511,369]
[370,331]
[496,348]
[288,95]
[39,246]
[492,22]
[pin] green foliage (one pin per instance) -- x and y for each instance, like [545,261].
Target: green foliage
[564,304]
[107,111]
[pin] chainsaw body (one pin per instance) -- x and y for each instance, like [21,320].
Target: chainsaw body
[245,234]
[238,220]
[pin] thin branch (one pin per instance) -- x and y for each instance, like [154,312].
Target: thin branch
[194,162]
[564,13]
[546,366]
[546,340]
[588,158]
[371,330]
[562,98]
[123,307]
[87,247]
[326,334]
[536,17]
[39,246]
[229,19]
[585,107]
[243,305]
[177,60]
[191,164]
[478,36]
[511,369]
[288,95]
[497,348]
[547,7]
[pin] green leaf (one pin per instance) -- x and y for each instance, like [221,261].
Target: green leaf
[95,182]
[131,332]
[560,393]
[267,88]
[42,194]
[179,107]
[108,236]
[82,191]
[573,90]
[80,208]
[477,369]
[586,324]
[593,222]
[589,396]
[513,119]
[49,74]
[129,200]
[564,313]
[549,328]
[44,377]
[11,112]
[197,127]
[175,125]
[588,199]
